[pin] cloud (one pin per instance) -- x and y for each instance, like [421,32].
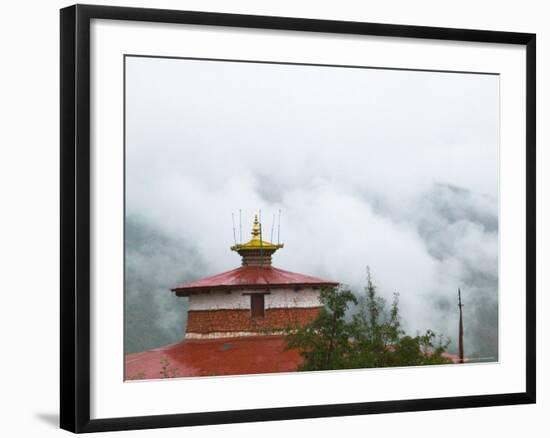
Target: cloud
[392,169]
[154,262]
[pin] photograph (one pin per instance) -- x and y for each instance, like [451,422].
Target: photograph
[275,219]
[293,217]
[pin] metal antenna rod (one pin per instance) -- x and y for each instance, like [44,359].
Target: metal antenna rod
[260,211]
[279,229]
[240,227]
[261,237]
[272,227]
[234,235]
[460,331]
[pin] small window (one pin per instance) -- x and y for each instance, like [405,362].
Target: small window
[257,305]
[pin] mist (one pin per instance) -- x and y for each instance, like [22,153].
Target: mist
[397,170]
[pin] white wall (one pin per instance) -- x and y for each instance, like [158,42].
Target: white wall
[30,204]
[277,298]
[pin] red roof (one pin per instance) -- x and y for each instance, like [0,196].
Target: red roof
[264,276]
[453,357]
[214,357]
[217,357]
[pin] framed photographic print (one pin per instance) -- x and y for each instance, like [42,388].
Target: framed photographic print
[269,218]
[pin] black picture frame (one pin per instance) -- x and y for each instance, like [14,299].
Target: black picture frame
[75,217]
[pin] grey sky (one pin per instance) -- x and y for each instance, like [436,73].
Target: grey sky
[396,170]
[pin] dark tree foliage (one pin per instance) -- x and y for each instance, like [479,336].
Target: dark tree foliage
[325,342]
[373,337]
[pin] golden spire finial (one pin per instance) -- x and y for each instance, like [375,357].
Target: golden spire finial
[256,250]
[256,228]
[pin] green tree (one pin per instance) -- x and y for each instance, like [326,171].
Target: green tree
[372,337]
[325,342]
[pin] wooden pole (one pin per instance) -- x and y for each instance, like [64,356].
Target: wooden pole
[460,331]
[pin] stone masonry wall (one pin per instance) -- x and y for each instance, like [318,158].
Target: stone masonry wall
[240,320]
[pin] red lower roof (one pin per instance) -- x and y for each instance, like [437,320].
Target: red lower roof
[214,357]
[217,357]
[268,277]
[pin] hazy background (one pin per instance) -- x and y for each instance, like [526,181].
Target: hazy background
[397,170]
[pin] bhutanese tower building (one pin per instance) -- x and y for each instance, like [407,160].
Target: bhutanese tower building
[236,319]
